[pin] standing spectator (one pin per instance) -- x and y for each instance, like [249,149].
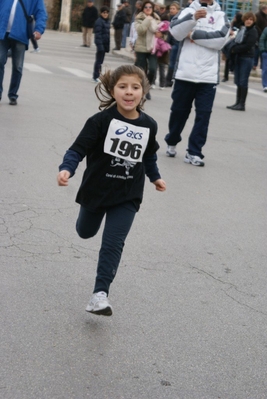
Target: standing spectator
[263,53]
[162,49]
[146,24]
[138,7]
[89,16]
[203,31]
[235,26]
[133,33]
[244,56]
[163,13]
[261,24]
[102,41]
[174,9]
[35,45]
[118,24]
[128,18]
[14,37]
[157,8]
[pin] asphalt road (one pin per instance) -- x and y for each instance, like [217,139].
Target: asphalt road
[190,315]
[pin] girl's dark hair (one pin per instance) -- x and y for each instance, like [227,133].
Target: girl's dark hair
[110,78]
[104,8]
[248,15]
[148,2]
[237,21]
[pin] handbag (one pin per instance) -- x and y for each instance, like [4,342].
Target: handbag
[30,21]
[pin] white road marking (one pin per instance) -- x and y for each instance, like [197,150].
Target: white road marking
[77,72]
[35,68]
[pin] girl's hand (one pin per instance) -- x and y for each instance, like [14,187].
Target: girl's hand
[160,185]
[63,177]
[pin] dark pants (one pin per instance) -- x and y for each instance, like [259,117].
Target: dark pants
[125,34]
[162,74]
[148,62]
[118,38]
[99,59]
[256,56]
[243,66]
[173,55]
[17,55]
[118,222]
[183,95]
[226,69]
[34,43]
[264,69]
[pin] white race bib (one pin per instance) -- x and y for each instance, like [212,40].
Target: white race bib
[126,141]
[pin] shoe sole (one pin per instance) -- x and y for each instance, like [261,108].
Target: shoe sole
[186,160]
[102,312]
[170,154]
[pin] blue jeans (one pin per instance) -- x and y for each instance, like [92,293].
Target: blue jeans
[183,95]
[118,222]
[17,55]
[99,59]
[125,34]
[264,69]
[242,69]
[173,55]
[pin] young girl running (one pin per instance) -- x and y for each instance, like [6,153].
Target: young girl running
[120,145]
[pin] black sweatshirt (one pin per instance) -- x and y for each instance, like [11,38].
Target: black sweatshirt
[247,47]
[110,180]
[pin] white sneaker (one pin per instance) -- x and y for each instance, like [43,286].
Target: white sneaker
[95,80]
[193,159]
[37,50]
[171,151]
[153,87]
[265,89]
[99,304]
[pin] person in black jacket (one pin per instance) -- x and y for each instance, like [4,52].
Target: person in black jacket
[118,24]
[128,18]
[120,147]
[89,16]
[261,24]
[235,26]
[244,57]
[102,41]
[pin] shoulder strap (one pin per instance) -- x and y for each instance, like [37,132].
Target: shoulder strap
[28,17]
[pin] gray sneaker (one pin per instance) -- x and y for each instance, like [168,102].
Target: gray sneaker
[171,151]
[99,304]
[193,159]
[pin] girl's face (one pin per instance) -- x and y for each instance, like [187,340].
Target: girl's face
[148,9]
[173,10]
[128,93]
[249,22]
[104,14]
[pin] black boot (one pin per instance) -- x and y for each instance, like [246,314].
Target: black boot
[243,96]
[238,96]
[169,77]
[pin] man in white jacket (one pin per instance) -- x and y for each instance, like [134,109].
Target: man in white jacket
[202,30]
